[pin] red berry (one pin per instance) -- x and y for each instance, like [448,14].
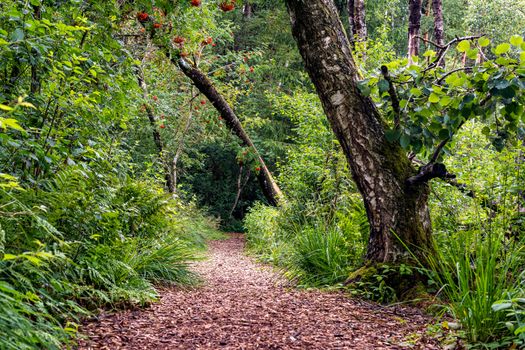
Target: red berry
[155,98]
[162,126]
[203,102]
[227,6]
[195,3]
[142,16]
[179,39]
[209,40]
[213,44]
[157,25]
[258,169]
[251,69]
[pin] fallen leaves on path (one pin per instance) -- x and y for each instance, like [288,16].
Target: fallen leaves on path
[244,305]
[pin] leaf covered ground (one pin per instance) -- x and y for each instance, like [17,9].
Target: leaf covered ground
[244,305]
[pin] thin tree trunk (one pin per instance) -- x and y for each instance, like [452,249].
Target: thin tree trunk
[240,186]
[180,147]
[360,21]
[414,23]
[439,32]
[156,133]
[351,20]
[247,9]
[396,210]
[35,79]
[269,187]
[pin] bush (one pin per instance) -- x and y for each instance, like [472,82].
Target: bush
[81,245]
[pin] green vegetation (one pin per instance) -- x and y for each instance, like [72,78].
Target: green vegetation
[115,169]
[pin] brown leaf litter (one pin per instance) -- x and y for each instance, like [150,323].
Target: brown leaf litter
[245,305]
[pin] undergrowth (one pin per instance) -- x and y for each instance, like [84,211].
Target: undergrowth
[75,245]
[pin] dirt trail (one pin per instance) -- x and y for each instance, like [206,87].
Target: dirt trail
[244,305]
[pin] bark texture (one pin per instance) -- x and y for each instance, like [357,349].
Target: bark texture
[379,168]
[414,24]
[269,187]
[439,31]
[356,17]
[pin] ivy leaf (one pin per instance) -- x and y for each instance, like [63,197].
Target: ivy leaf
[463,46]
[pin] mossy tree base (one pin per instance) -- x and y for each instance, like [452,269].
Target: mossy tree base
[389,283]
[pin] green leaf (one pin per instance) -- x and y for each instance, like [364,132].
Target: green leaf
[463,46]
[5,108]
[516,40]
[404,141]
[392,135]
[445,101]
[17,35]
[502,48]
[383,85]
[498,306]
[444,134]
[10,123]
[433,98]
[483,41]
[416,92]
[472,53]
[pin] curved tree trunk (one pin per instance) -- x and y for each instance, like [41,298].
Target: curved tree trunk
[396,210]
[269,187]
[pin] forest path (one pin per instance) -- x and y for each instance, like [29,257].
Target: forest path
[244,305]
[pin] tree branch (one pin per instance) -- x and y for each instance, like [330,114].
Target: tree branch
[444,76]
[429,172]
[443,49]
[393,96]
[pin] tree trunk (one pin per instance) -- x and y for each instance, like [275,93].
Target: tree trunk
[269,187]
[356,18]
[439,32]
[351,20]
[247,9]
[396,211]
[414,23]
[359,20]
[170,186]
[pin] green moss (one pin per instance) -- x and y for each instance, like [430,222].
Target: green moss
[387,283]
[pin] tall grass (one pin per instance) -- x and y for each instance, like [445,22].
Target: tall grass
[312,251]
[475,269]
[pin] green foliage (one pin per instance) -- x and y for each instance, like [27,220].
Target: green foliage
[320,233]
[84,220]
[480,257]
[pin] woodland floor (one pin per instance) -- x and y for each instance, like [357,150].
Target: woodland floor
[244,305]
